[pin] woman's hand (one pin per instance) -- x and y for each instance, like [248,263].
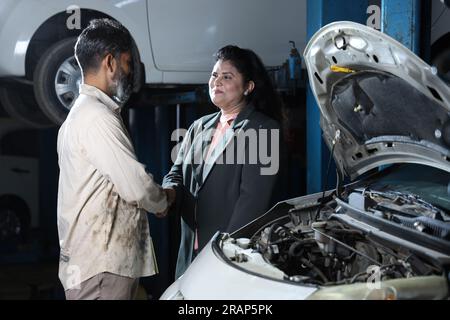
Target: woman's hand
[171,195]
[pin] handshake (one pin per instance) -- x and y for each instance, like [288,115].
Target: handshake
[170,194]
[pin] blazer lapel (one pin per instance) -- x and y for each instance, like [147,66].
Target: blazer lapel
[238,124]
[200,147]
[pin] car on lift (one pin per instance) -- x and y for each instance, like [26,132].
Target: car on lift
[175,41]
[385,115]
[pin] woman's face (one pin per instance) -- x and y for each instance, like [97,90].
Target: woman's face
[226,86]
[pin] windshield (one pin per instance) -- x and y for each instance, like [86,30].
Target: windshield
[430,184]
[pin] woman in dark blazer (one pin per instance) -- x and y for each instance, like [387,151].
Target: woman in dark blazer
[227,167]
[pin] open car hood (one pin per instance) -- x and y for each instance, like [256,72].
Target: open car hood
[380,104]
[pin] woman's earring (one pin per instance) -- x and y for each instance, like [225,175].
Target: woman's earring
[245,93]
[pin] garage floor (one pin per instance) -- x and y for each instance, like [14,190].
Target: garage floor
[36,282]
[29,271]
[25,282]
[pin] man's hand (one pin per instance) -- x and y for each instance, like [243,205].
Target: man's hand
[171,195]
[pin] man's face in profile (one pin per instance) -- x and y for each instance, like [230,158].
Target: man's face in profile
[122,80]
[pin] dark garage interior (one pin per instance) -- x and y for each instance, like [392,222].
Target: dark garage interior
[29,124]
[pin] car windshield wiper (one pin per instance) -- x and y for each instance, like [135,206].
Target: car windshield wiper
[406,209]
[406,204]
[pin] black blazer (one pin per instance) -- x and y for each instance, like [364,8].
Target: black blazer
[228,191]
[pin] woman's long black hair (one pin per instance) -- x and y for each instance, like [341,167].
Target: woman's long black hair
[264,97]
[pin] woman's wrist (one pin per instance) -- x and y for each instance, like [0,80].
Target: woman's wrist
[171,195]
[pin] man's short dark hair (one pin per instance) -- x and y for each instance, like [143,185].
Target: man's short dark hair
[98,39]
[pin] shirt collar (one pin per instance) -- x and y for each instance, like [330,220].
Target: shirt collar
[100,95]
[224,118]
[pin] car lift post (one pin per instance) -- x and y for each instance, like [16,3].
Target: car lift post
[320,13]
[400,19]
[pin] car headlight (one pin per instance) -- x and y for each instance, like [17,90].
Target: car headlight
[176,296]
[172,292]
[426,287]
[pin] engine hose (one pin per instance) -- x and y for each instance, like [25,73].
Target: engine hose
[296,249]
[315,269]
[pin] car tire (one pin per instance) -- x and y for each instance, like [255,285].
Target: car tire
[56,80]
[14,224]
[18,102]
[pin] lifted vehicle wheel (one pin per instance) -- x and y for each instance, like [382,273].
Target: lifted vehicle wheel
[18,102]
[57,78]
[9,225]
[14,225]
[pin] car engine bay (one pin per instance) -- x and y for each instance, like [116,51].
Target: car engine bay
[325,245]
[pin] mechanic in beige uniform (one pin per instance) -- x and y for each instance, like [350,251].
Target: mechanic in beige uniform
[104,192]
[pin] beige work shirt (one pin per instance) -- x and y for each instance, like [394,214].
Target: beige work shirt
[103,195]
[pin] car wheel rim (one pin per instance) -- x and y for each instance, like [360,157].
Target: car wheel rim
[67,82]
[9,224]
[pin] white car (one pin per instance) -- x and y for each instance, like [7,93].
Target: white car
[175,39]
[386,235]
